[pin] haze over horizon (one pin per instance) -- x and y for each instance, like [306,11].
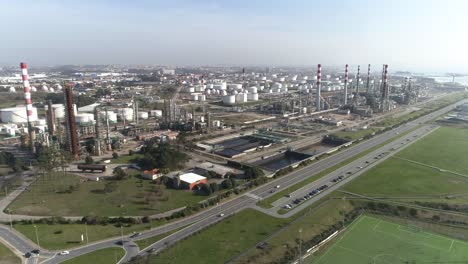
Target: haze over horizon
[415,35]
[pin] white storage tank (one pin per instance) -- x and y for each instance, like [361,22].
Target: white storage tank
[190,89]
[142,115]
[229,99]
[33,89]
[41,122]
[304,110]
[263,78]
[17,115]
[82,118]
[202,97]
[252,97]
[194,97]
[44,88]
[223,92]
[156,113]
[241,98]
[12,89]
[252,89]
[208,91]
[216,123]
[199,89]
[126,113]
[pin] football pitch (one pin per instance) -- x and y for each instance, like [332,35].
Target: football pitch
[370,240]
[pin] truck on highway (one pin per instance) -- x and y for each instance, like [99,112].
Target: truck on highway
[92,167]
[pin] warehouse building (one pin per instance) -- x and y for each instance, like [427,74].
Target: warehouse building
[191,180]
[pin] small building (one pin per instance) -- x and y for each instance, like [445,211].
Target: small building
[216,168]
[151,174]
[190,180]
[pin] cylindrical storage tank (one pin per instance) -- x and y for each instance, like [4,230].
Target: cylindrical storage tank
[208,91]
[199,89]
[126,113]
[241,98]
[252,97]
[12,89]
[223,92]
[44,88]
[229,99]
[263,78]
[216,123]
[51,90]
[41,122]
[33,89]
[194,97]
[17,115]
[202,119]
[304,110]
[156,113]
[81,118]
[142,115]
[210,86]
[202,97]
[223,86]
[58,87]
[252,89]
[190,89]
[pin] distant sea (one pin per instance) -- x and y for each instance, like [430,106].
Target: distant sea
[463,80]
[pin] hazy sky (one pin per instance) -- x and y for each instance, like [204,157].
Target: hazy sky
[421,35]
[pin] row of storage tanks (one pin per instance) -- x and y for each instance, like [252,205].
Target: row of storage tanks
[43,88]
[18,114]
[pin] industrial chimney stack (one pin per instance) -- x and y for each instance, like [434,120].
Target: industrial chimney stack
[29,107]
[346,85]
[72,134]
[319,85]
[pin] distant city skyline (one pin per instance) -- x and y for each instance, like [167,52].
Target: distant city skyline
[424,36]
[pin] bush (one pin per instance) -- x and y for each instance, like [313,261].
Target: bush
[89,160]
[115,155]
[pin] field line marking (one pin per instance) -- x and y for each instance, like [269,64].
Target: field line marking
[451,245]
[356,252]
[378,223]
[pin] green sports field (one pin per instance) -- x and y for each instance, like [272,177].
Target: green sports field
[370,240]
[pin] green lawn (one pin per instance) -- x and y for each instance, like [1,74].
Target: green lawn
[144,243]
[61,236]
[445,147]
[131,197]
[102,256]
[7,256]
[372,240]
[218,243]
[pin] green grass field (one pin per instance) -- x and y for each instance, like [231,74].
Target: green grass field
[102,256]
[144,243]
[220,242]
[131,197]
[64,236]
[375,241]
[7,256]
[353,135]
[445,148]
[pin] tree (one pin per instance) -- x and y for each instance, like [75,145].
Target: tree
[115,155]
[161,155]
[233,182]
[205,189]
[226,184]
[214,187]
[83,100]
[176,182]
[89,160]
[253,172]
[119,173]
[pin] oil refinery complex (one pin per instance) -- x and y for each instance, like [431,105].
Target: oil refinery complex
[228,113]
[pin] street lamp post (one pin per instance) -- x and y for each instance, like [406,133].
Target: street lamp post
[37,236]
[121,234]
[300,245]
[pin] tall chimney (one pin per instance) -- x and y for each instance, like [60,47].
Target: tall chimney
[319,85]
[346,85]
[368,79]
[72,134]
[27,98]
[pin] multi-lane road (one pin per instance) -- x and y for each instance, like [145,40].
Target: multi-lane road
[199,221]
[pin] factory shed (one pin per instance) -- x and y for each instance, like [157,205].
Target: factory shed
[190,180]
[216,168]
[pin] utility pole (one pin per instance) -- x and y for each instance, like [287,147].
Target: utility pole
[121,234]
[37,236]
[86,231]
[300,246]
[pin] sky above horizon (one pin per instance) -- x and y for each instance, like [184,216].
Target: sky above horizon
[417,35]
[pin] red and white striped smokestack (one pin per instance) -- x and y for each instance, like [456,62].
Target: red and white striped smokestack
[27,89]
[319,81]
[346,85]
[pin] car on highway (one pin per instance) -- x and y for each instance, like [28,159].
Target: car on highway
[277,186]
[221,215]
[27,255]
[36,252]
[120,242]
[151,250]
[65,252]
[135,235]
[288,195]
[287,206]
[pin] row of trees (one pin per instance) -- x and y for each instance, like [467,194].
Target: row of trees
[162,155]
